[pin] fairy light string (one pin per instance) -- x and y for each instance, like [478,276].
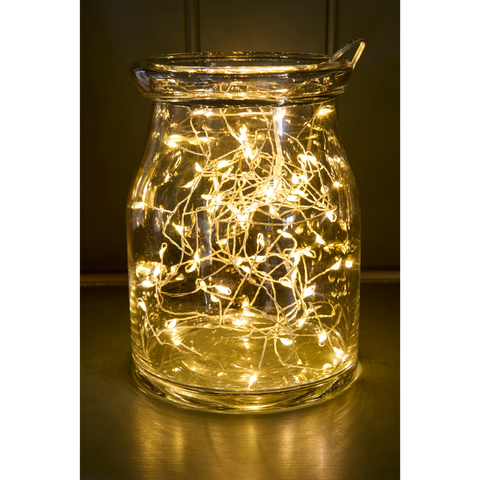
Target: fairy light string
[247,230]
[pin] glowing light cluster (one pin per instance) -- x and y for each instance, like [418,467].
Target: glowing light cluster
[250,227]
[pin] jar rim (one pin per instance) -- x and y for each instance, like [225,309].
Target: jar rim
[236,78]
[243,63]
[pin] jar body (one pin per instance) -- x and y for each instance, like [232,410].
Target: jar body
[244,257]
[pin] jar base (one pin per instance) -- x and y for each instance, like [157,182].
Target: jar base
[241,402]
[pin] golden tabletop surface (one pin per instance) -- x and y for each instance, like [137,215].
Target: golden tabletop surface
[126,434]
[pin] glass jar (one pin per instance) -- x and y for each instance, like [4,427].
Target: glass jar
[244,232]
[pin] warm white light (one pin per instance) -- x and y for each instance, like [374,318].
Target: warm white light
[139,206]
[300,192]
[260,240]
[284,234]
[308,291]
[224,290]
[223,164]
[191,267]
[322,336]
[337,265]
[301,322]
[207,113]
[258,186]
[308,252]
[307,158]
[171,323]
[325,110]
[252,381]
[279,115]
[330,215]
[243,134]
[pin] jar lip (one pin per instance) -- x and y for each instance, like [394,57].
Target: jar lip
[236,78]
[240,63]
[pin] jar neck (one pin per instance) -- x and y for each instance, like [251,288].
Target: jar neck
[199,125]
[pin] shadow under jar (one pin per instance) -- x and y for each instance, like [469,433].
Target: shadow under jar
[244,232]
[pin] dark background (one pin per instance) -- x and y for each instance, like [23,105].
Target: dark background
[115,117]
